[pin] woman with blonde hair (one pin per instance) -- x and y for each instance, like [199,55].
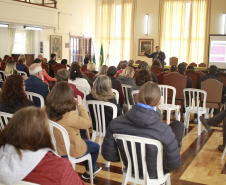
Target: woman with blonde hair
[28,154]
[126,77]
[92,68]
[11,68]
[102,71]
[102,91]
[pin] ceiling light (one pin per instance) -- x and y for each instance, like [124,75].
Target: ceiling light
[4,25]
[32,28]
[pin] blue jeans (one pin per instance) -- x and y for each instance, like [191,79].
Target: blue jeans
[92,148]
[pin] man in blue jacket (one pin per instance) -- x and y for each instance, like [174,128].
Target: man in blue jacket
[35,84]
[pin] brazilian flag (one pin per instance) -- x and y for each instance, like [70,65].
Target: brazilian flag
[94,59]
[101,62]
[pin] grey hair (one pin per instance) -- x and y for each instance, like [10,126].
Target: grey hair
[35,69]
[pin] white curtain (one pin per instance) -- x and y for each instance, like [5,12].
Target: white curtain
[11,38]
[29,42]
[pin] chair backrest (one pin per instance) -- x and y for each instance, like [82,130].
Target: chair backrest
[32,95]
[194,76]
[2,74]
[178,81]
[214,90]
[184,63]
[45,66]
[22,73]
[90,75]
[160,77]
[193,64]
[126,93]
[173,61]
[166,93]
[156,70]
[201,73]
[57,67]
[98,110]
[53,125]
[6,75]
[202,65]
[130,144]
[116,95]
[222,76]
[134,96]
[84,68]
[25,183]
[194,96]
[4,118]
[138,62]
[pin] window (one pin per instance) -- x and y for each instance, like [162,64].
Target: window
[19,42]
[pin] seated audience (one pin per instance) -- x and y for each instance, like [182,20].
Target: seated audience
[64,62]
[76,78]
[102,71]
[173,68]
[126,77]
[143,121]
[13,95]
[40,57]
[52,62]
[146,66]
[63,75]
[35,84]
[11,68]
[85,63]
[116,84]
[62,111]
[102,90]
[22,66]
[191,67]
[28,154]
[157,63]
[91,67]
[181,70]
[21,56]
[44,60]
[131,62]
[46,77]
[122,66]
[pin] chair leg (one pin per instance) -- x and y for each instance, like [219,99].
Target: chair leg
[168,180]
[90,170]
[199,125]
[124,182]
[94,135]
[107,164]
[168,116]
[222,157]
[73,165]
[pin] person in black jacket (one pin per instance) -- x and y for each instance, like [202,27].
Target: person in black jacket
[52,62]
[102,91]
[182,69]
[143,121]
[158,55]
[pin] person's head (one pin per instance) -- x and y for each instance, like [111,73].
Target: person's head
[10,67]
[157,63]
[103,70]
[131,62]
[9,58]
[37,61]
[28,129]
[56,107]
[191,67]
[44,60]
[36,70]
[64,61]
[86,60]
[157,48]
[5,57]
[173,68]
[142,77]
[75,71]
[123,65]
[182,68]
[128,72]
[102,88]
[22,61]
[112,70]
[145,66]
[40,56]
[140,64]
[13,91]
[213,69]
[62,75]
[149,94]
[21,56]
[91,67]
[53,56]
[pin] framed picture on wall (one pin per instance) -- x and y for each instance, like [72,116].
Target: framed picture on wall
[56,46]
[145,45]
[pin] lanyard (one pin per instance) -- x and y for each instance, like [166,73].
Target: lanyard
[146,106]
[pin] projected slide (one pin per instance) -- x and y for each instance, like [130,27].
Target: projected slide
[217,51]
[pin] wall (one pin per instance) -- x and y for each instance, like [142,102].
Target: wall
[3,42]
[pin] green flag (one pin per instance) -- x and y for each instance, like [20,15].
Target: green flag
[94,59]
[101,62]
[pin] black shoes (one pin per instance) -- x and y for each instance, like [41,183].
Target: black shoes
[205,123]
[87,176]
[221,148]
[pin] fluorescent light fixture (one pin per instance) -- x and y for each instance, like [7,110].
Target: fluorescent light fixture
[224,19]
[146,24]
[32,28]
[4,25]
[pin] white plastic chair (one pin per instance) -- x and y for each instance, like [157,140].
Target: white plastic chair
[22,73]
[99,116]
[224,152]
[116,95]
[2,74]
[65,135]
[6,75]
[31,95]
[164,105]
[126,95]
[4,119]
[132,160]
[23,183]
[133,93]
[194,105]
